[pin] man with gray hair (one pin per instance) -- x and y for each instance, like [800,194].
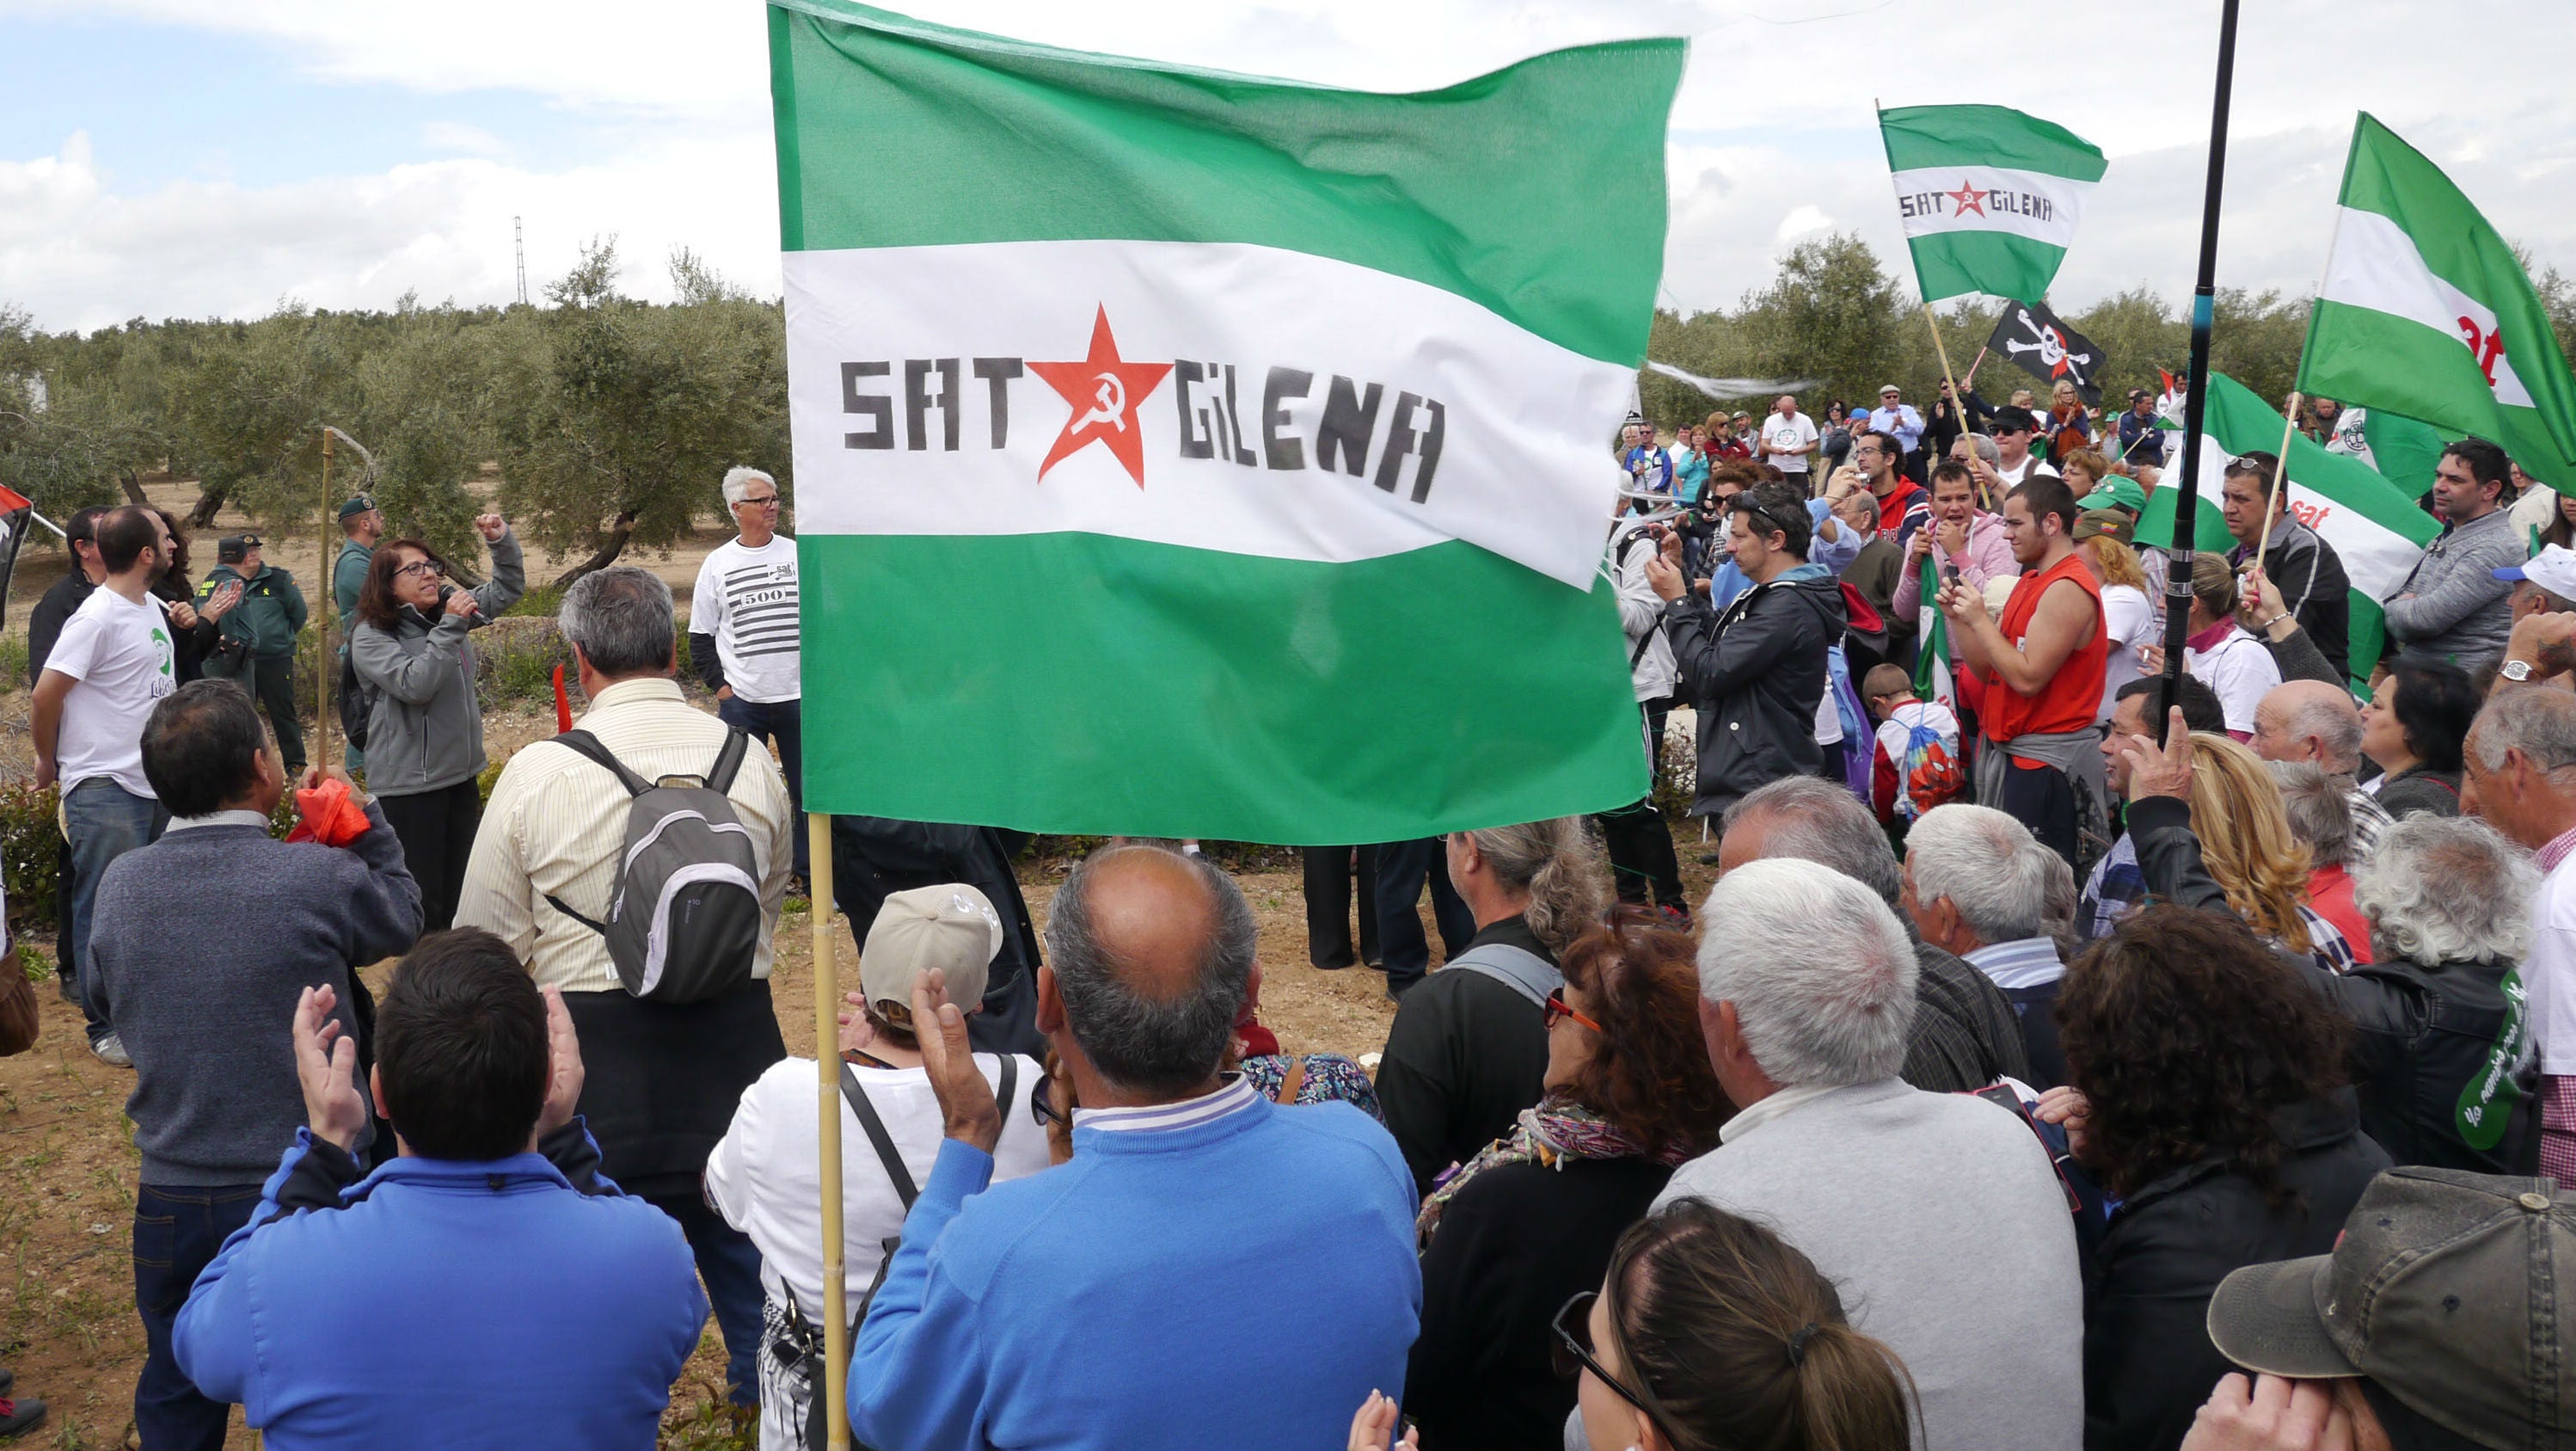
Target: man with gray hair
[1978,884]
[2316,720]
[2323,820]
[1937,1215]
[744,636]
[663,1078]
[2516,773]
[1086,1306]
[1963,1034]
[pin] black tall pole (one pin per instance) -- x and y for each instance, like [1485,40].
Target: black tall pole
[2203,300]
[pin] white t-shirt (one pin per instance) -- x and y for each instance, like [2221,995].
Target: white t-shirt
[765,1176]
[119,651]
[1796,432]
[746,598]
[2128,620]
[2031,464]
[2239,671]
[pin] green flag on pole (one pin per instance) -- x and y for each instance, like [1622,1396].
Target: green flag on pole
[2426,313]
[1989,197]
[1180,453]
[2374,527]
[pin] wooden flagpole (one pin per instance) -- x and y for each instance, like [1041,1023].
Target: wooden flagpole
[2280,471]
[831,1399]
[322,656]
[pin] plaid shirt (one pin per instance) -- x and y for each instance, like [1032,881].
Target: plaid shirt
[2558,1093]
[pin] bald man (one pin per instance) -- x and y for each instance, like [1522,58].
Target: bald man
[1093,1305]
[2311,720]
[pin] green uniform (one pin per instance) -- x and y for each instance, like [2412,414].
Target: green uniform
[259,638]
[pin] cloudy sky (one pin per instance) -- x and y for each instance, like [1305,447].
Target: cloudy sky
[160,158]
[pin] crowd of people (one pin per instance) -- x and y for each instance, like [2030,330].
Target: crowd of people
[2049,1065]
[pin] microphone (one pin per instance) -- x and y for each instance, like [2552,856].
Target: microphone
[476,617]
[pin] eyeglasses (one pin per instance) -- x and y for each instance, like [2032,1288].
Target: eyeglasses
[421,567]
[767,501]
[1042,1106]
[1572,1352]
[1558,1008]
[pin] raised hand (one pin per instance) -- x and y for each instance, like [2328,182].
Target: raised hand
[564,1071]
[2161,770]
[967,1111]
[491,527]
[326,1067]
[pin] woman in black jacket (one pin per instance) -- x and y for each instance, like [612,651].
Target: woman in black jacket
[1531,1221]
[2414,729]
[198,623]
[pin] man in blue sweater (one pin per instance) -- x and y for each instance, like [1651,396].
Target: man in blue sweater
[198,992]
[1210,1269]
[489,1288]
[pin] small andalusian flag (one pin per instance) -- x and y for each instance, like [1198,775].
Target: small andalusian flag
[1989,196]
[2426,313]
[1932,676]
[2375,529]
[1185,454]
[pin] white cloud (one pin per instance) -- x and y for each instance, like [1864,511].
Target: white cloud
[1774,133]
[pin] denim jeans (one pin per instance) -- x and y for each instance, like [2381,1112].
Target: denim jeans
[103,821]
[783,721]
[730,1264]
[177,1230]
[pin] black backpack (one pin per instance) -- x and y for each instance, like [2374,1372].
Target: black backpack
[684,915]
[357,702]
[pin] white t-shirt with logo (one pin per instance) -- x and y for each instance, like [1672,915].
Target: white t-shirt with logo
[119,652]
[1797,432]
[746,598]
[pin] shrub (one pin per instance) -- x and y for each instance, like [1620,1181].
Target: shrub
[30,848]
[13,661]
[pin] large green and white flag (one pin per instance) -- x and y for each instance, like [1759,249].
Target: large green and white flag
[1989,196]
[2426,313]
[2374,527]
[1180,453]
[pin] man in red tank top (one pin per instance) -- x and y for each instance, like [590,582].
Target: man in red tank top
[2040,763]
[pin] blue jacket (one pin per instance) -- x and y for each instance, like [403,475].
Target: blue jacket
[1832,557]
[1240,1283]
[519,1302]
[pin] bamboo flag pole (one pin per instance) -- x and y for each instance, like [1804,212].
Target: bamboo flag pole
[322,656]
[832,1400]
[2280,471]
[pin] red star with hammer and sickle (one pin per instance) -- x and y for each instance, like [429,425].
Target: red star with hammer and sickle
[1967,198]
[1103,391]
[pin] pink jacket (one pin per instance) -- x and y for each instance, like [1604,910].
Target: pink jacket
[1988,557]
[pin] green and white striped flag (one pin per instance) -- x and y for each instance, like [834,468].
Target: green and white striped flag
[1180,453]
[1989,196]
[2426,313]
[2374,527]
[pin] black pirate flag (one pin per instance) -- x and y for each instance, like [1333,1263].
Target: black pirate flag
[2047,349]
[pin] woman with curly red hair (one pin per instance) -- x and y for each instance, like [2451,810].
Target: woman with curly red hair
[1532,1219]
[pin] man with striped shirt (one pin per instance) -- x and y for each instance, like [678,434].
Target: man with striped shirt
[743,631]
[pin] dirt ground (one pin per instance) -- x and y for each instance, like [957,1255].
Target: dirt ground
[67,1320]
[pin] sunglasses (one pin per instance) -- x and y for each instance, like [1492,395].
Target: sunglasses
[1558,1009]
[1042,1106]
[1572,1354]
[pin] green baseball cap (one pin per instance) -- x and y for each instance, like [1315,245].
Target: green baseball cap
[2116,492]
[2453,1292]
[356,506]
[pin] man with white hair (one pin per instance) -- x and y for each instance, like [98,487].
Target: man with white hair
[1936,1215]
[2519,772]
[1977,883]
[744,637]
[2314,720]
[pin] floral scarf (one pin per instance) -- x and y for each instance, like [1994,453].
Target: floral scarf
[1551,1134]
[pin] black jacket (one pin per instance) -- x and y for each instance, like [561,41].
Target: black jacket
[2309,575]
[1964,1035]
[45,622]
[2148,1363]
[1756,673]
[1464,1056]
[874,857]
[2434,1041]
[1516,1243]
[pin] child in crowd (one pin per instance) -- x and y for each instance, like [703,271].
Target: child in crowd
[1916,766]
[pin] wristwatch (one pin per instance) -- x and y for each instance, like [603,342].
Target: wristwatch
[2516,671]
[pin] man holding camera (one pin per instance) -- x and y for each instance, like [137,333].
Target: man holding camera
[258,645]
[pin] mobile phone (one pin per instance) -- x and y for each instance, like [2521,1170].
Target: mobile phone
[1949,572]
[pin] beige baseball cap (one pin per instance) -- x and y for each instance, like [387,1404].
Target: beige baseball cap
[952,927]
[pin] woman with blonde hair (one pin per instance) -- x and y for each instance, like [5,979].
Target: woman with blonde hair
[2246,845]
[1468,1050]
[2128,611]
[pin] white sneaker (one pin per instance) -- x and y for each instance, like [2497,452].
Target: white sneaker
[111,1051]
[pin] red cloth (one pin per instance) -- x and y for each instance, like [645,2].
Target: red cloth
[2072,697]
[327,815]
[2330,896]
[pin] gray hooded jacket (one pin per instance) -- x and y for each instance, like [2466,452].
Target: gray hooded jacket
[425,732]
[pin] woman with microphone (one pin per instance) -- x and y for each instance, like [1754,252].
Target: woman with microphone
[424,740]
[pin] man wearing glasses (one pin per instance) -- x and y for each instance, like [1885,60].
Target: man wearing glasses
[743,634]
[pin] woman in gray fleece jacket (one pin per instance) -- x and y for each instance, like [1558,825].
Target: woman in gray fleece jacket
[424,726]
